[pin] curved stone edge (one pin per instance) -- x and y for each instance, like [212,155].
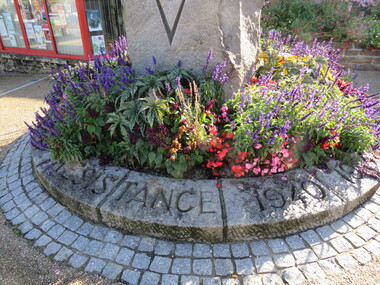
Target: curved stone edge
[311,255]
[309,199]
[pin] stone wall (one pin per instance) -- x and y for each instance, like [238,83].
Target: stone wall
[31,64]
[360,58]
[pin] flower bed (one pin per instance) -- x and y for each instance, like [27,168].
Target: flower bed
[299,109]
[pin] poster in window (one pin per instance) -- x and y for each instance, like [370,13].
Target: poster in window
[12,39]
[29,30]
[40,37]
[98,44]
[47,35]
[3,28]
[93,20]
[9,23]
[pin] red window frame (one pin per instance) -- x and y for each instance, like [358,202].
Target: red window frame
[54,53]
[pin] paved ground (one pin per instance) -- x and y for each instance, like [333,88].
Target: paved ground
[64,237]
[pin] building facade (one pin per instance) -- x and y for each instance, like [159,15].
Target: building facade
[58,29]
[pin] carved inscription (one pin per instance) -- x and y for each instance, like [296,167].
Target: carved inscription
[277,194]
[170,31]
[138,194]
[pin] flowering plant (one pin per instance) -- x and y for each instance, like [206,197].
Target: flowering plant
[297,110]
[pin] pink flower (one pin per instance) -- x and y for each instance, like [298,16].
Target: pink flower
[258,146]
[248,166]
[276,161]
[256,170]
[274,169]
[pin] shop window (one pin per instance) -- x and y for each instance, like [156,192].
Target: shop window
[64,20]
[10,30]
[105,23]
[73,29]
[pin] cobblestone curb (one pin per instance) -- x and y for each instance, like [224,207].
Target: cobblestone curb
[132,259]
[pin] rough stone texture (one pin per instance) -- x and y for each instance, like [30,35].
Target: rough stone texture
[230,28]
[197,210]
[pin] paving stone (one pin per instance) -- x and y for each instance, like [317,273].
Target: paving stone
[33,190]
[329,266]
[12,214]
[63,254]
[130,241]
[112,271]
[141,261]
[264,264]
[150,278]
[278,245]
[94,247]
[47,225]
[55,210]
[20,199]
[192,280]
[244,266]
[183,249]
[109,251]
[311,237]
[63,216]
[181,266]
[353,220]
[252,280]
[341,227]
[169,279]
[374,247]
[131,277]
[42,241]
[160,264]
[18,191]
[295,242]
[272,279]
[212,281]
[324,251]
[33,234]
[25,227]
[326,233]
[27,178]
[39,218]
[221,250]
[354,239]
[366,233]
[40,198]
[163,247]
[18,220]
[240,250]
[74,223]
[77,260]
[85,229]
[312,271]
[113,236]
[81,243]
[56,231]
[8,206]
[95,265]
[147,244]
[363,213]
[230,281]
[24,205]
[373,207]
[341,244]
[346,261]
[6,198]
[374,224]
[31,211]
[304,256]
[293,276]
[284,260]
[99,232]
[223,267]
[124,257]
[202,267]
[361,255]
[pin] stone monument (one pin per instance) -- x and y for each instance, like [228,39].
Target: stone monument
[186,30]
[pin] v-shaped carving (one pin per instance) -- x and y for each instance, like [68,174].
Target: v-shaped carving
[170,31]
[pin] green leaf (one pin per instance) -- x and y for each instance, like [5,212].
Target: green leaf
[151,157]
[91,129]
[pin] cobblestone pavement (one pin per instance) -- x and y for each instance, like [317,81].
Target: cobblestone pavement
[294,259]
